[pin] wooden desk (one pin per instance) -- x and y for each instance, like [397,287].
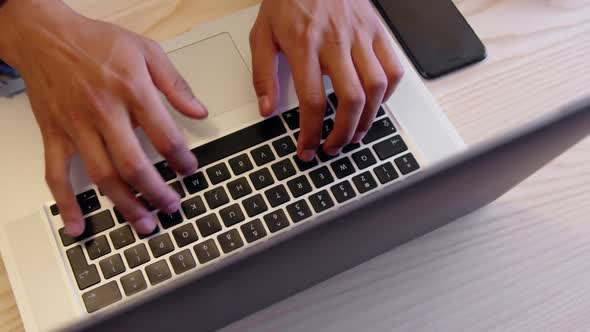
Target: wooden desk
[522,263]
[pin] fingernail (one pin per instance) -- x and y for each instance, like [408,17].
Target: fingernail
[145,225]
[332,151]
[172,207]
[358,137]
[307,155]
[264,105]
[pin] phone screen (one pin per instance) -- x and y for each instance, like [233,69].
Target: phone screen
[433,33]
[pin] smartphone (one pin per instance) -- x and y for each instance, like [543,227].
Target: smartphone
[433,33]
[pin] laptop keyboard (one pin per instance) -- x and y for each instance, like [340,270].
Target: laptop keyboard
[250,186]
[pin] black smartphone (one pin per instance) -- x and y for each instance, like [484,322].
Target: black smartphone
[433,33]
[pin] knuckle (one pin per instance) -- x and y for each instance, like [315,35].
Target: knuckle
[376,86]
[171,145]
[102,176]
[313,101]
[394,76]
[354,99]
[304,35]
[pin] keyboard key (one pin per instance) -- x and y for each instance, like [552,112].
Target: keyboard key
[216,197]
[284,146]
[102,297]
[161,245]
[364,158]
[193,207]
[292,118]
[321,177]
[263,155]
[146,203]
[230,241]
[261,179]
[98,247]
[305,165]
[343,192]
[255,205]
[86,275]
[284,169]
[185,235]
[176,186]
[381,112]
[136,255]
[381,128]
[170,219]
[122,237]
[94,224]
[119,215]
[208,225]
[296,135]
[54,210]
[299,211]
[276,221]
[390,147]
[241,164]
[88,201]
[342,167]
[351,147]
[329,110]
[386,173]
[364,182]
[239,141]
[323,156]
[145,236]
[133,283]
[158,272]
[327,128]
[277,195]
[239,188]
[218,173]
[299,186]
[232,215]
[195,183]
[112,266]
[253,231]
[165,171]
[321,201]
[182,262]
[333,99]
[206,251]
[407,164]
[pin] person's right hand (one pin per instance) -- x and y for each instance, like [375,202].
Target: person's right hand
[90,83]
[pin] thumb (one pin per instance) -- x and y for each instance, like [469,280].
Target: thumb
[264,68]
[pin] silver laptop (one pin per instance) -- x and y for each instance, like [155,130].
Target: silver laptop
[249,195]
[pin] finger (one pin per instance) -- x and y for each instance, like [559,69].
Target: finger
[169,81]
[264,68]
[394,71]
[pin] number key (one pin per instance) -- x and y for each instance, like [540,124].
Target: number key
[206,251]
[253,231]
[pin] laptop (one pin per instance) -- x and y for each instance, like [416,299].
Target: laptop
[251,204]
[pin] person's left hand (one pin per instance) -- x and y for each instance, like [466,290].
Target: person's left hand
[341,38]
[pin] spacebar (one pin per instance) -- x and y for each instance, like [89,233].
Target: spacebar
[239,141]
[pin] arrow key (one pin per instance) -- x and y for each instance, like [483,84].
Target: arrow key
[133,283]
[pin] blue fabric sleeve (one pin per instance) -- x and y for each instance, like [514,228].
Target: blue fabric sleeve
[7,70]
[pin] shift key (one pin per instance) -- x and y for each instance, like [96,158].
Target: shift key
[102,296]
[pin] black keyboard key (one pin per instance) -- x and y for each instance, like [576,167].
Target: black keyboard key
[195,183]
[232,215]
[327,128]
[161,245]
[206,251]
[239,141]
[296,135]
[88,201]
[386,173]
[133,283]
[321,177]
[299,211]
[98,247]
[185,235]
[276,221]
[321,201]
[102,297]
[86,275]
[261,179]
[208,225]
[136,255]
[239,188]
[170,219]
[381,128]
[342,167]
[218,173]
[165,171]
[351,147]
[193,207]
[305,165]
[334,99]
[119,215]
[329,110]
[230,241]
[112,266]
[253,231]
[299,186]
[343,192]
[176,186]
[364,182]
[158,272]
[407,164]
[277,195]
[263,155]
[182,262]
[146,203]
[255,205]
[364,158]
[324,157]
[241,164]
[216,197]
[381,112]
[94,225]
[54,210]
[145,236]
[284,146]
[284,169]
[292,118]
[122,237]
[390,147]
